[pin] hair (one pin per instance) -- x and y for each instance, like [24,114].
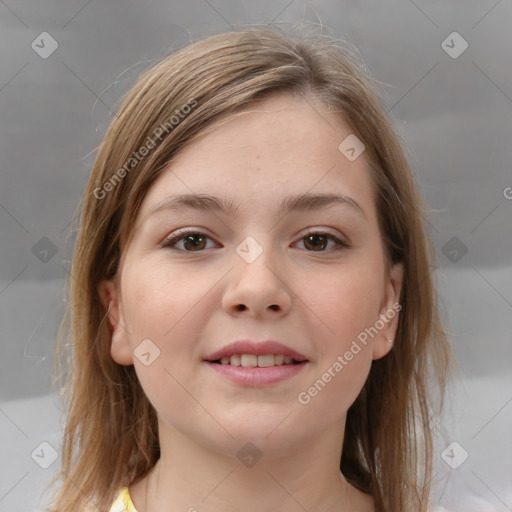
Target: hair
[111,434]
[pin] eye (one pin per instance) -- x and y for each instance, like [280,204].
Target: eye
[317,241]
[193,241]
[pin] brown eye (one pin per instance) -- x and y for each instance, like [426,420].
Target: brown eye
[191,241]
[194,242]
[317,242]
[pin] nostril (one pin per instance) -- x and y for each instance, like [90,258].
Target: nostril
[242,307]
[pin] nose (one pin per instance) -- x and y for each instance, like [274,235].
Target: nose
[259,288]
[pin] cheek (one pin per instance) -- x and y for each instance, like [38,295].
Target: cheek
[158,300]
[167,307]
[332,392]
[347,300]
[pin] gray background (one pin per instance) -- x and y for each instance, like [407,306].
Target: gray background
[455,115]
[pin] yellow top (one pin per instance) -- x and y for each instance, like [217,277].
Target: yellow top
[123,502]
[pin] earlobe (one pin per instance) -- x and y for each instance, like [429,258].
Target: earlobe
[120,348]
[389,312]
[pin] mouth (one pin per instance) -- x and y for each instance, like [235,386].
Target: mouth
[257,361]
[251,354]
[250,363]
[257,376]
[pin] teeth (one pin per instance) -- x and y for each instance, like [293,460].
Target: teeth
[249,360]
[253,361]
[264,361]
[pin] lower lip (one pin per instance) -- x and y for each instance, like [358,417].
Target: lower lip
[256,376]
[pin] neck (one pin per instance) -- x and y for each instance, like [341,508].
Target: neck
[191,477]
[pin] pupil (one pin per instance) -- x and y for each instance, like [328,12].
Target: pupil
[191,238]
[316,237]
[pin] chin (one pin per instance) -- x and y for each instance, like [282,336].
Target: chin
[271,432]
[249,446]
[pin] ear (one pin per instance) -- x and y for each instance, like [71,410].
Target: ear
[389,311]
[120,349]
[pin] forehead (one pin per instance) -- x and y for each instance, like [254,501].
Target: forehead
[281,146]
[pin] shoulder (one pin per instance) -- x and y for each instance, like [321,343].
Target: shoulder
[123,502]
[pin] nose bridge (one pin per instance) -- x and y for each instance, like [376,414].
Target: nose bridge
[254,261]
[256,284]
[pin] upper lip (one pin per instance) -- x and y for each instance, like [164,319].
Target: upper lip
[258,348]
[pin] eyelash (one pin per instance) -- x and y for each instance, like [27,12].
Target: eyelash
[172,240]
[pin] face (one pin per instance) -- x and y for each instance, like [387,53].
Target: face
[194,280]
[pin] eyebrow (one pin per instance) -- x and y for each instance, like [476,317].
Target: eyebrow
[301,202]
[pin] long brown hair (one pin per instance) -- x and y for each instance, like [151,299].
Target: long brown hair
[111,434]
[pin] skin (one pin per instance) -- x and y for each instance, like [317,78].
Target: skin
[314,301]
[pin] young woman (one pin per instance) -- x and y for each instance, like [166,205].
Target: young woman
[253,317]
